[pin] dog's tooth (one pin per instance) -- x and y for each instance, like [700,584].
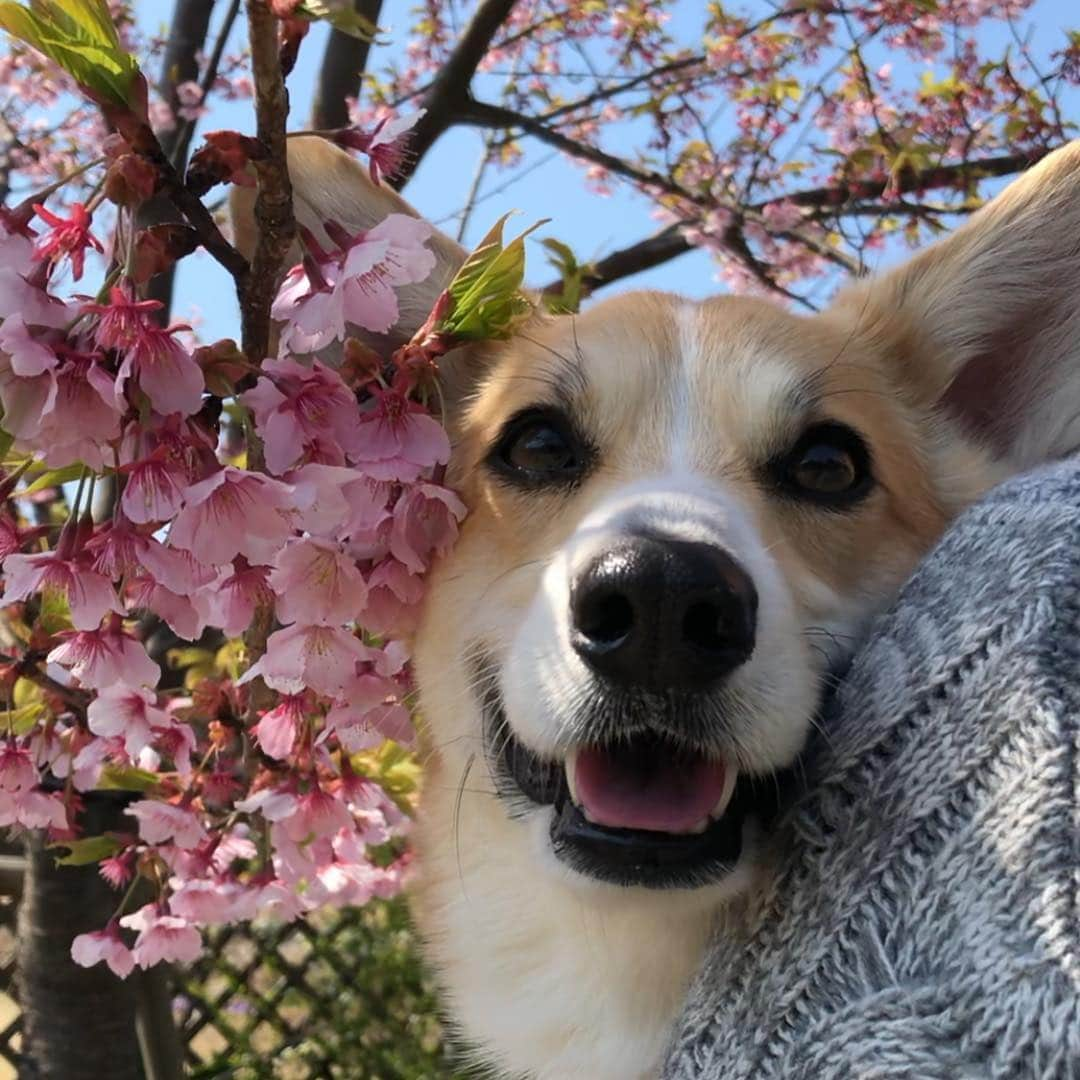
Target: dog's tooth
[571,776]
[699,828]
[717,812]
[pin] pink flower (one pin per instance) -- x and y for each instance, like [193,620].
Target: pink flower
[368,713]
[19,294]
[128,713]
[276,730]
[26,355]
[104,657]
[338,502]
[123,321]
[67,237]
[207,902]
[274,805]
[162,823]
[162,937]
[386,145]
[322,658]
[393,600]
[317,582]
[32,809]
[295,406]
[355,286]
[232,513]
[89,595]
[153,490]
[231,600]
[181,614]
[165,371]
[425,524]
[103,946]
[82,418]
[118,551]
[397,440]
[318,814]
[17,772]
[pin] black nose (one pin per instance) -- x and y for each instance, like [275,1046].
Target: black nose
[663,614]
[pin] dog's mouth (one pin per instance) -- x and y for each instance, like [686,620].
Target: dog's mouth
[643,810]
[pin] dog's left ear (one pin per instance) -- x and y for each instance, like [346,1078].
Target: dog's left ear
[986,324]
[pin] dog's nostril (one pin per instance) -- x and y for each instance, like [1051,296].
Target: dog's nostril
[605,618]
[702,626]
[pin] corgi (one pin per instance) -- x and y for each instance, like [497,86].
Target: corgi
[682,516]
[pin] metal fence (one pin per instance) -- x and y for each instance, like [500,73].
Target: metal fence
[340,996]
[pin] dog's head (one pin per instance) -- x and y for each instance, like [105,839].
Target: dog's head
[681,515]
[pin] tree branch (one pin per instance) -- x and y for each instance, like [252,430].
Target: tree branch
[840,201]
[449,91]
[275,226]
[342,72]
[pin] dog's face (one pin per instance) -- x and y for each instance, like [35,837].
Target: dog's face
[681,514]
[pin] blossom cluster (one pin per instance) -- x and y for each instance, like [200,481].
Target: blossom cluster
[285,494]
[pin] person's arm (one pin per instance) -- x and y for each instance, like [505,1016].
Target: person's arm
[924,923]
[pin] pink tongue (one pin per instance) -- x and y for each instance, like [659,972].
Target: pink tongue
[656,791]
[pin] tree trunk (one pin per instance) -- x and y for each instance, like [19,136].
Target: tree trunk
[78,1023]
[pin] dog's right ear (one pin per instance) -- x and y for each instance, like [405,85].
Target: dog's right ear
[329,185]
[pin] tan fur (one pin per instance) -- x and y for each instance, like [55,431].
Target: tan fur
[958,368]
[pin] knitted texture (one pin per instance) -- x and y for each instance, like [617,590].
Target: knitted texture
[924,921]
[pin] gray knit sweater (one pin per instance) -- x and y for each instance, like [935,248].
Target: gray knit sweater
[925,922]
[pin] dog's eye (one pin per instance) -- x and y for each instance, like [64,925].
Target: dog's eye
[539,447]
[830,464]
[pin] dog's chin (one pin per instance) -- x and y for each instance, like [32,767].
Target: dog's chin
[642,811]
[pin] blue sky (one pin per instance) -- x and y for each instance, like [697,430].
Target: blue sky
[553,188]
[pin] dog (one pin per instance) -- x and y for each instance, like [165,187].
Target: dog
[682,516]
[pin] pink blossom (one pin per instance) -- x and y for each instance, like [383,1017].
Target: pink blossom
[398,439]
[118,551]
[323,658]
[145,594]
[357,285]
[370,711]
[338,502]
[17,772]
[32,809]
[425,524]
[233,512]
[153,490]
[82,418]
[295,406]
[394,595]
[26,355]
[317,582]
[67,237]
[123,321]
[162,937]
[385,145]
[161,823]
[104,657]
[89,595]
[276,730]
[272,804]
[103,946]
[165,371]
[128,713]
[318,814]
[231,600]
[207,902]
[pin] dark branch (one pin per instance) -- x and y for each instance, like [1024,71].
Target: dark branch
[275,226]
[342,71]
[449,91]
[843,200]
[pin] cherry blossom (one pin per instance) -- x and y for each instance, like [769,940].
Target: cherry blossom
[104,946]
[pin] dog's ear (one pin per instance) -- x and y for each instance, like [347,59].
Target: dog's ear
[329,185]
[986,323]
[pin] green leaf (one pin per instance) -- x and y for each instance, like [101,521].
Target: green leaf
[341,16]
[54,478]
[568,301]
[126,778]
[80,36]
[485,295]
[21,721]
[90,849]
